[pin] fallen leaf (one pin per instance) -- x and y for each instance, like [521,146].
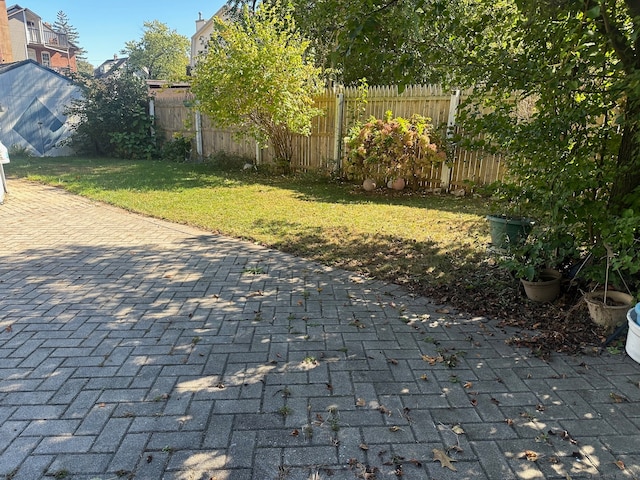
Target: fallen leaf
[330,387]
[415,463]
[357,323]
[443,310]
[383,409]
[295,433]
[364,446]
[618,398]
[424,377]
[8,329]
[540,407]
[433,360]
[531,455]
[474,402]
[564,435]
[495,401]
[508,421]
[361,402]
[457,429]
[392,361]
[467,385]
[620,464]
[445,461]
[394,428]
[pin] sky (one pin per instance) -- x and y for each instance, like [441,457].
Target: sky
[104,27]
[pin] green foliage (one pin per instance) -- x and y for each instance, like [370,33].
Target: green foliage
[542,248]
[555,87]
[113,119]
[376,39]
[84,67]
[393,148]
[258,76]
[161,53]
[178,149]
[19,151]
[230,163]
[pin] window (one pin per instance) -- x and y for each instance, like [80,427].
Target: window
[46,59]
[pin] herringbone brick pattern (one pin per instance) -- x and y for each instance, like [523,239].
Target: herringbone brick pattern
[135,348]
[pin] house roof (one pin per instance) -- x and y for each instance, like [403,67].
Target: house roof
[15,9]
[6,67]
[221,13]
[110,66]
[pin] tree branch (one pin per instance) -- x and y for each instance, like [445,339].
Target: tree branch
[618,41]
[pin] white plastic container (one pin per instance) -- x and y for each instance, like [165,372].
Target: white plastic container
[633,336]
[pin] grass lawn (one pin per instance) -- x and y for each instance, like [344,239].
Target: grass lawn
[401,237]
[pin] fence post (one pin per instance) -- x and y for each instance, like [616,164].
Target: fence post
[199,134]
[152,114]
[258,153]
[451,123]
[337,148]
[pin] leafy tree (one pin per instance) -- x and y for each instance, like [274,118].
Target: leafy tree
[162,53]
[84,67]
[62,25]
[112,118]
[259,77]
[372,39]
[556,86]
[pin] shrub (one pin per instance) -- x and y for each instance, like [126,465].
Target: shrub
[113,118]
[178,149]
[393,148]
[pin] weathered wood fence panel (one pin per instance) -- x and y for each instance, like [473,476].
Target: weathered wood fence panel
[323,148]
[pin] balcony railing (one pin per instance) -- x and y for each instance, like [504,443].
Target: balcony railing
[52,39]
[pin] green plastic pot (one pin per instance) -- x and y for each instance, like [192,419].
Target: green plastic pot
[507,231]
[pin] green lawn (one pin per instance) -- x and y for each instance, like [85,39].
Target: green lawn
[404,237]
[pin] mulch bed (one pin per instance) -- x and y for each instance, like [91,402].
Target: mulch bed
[562,326]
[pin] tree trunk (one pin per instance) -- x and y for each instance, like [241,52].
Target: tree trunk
[628,164]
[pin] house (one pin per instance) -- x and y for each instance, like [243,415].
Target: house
[204,29]
[33,101]
[33,39]
[6,52]
[110,67]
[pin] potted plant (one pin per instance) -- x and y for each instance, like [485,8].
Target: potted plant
[509,226]
[608,308]
[535,261]
[608,305]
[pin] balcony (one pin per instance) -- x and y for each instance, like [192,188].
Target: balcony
[50,39]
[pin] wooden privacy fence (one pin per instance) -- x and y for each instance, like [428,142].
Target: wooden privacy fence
[323,149]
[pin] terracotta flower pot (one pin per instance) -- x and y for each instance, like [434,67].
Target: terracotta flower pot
[611,314]
[369,185]
[546,289]
[398,184]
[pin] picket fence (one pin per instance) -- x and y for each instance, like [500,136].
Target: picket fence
[323,149]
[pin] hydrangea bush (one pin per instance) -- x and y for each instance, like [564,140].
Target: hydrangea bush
[393,148]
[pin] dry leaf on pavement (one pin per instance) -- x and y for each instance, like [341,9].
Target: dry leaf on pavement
[445,461]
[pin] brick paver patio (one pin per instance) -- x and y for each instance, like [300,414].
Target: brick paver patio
[136,348]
